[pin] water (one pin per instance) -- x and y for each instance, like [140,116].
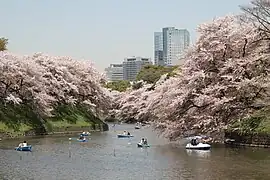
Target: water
[106,157]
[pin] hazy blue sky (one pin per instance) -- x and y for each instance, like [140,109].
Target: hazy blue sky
[104,31]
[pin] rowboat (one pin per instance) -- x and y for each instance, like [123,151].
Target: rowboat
[143,145]
[25,148]
[82,140]
[124,136]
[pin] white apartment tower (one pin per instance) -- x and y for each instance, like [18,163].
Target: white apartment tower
[174,43]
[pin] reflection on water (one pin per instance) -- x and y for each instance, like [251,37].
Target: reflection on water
[199,153]
[107,157]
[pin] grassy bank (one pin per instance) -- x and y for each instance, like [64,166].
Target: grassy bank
[257,123]
[19,120]
[9,131]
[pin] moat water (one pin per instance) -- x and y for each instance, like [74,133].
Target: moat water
[105,157]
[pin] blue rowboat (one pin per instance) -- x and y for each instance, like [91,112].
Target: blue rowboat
[82,140]
[124,136]
[26,148]
[143,145]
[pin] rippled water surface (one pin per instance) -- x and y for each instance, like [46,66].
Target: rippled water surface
[109,158]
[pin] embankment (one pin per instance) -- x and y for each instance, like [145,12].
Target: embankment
[251,131]
[247,139]
[22,120]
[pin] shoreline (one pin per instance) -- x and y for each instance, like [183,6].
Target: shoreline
[55,131]
[45,134]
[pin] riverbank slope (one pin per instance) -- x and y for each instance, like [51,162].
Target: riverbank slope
[21,120]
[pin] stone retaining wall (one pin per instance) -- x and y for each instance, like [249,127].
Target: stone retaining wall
[247,139]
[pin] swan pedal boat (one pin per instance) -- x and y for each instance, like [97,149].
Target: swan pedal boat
[200,146]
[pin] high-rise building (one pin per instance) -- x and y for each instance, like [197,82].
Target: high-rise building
[115,72]
[158,49]
[133,65]
[175,42]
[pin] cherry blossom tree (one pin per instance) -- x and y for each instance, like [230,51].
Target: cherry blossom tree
[225,73]
[258,12]
[45,82]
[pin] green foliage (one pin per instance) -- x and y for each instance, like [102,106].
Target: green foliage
[14,115]
[17,119]
[118,85]
[71,113]
[137,85]
[3,44]
[259,122]
[152,73]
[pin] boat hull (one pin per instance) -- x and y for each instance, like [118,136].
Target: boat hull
[84,134]
[27,148]
[124,136]
[200,146]
[143,145]
[82,140]
[136,127]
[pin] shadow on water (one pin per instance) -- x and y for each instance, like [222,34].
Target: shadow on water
[107,157]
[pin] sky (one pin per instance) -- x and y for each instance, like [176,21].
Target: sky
[103,31]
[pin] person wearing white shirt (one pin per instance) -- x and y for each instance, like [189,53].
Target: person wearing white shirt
[24,144]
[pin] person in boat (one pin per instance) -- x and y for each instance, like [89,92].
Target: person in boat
[128,133]
[142,141]
[81,137]
[145,141]
[24,144]
[194,142]
[125,133]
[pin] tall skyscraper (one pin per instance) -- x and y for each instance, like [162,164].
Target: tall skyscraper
[133,65]
[158,49]
[115,72]
[175,42]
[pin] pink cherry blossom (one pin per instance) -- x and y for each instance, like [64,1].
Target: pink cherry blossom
[225,73]
[46,81]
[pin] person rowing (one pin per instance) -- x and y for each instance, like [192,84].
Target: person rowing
[85,133]
[24,144]
[82,137]
[144,141]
